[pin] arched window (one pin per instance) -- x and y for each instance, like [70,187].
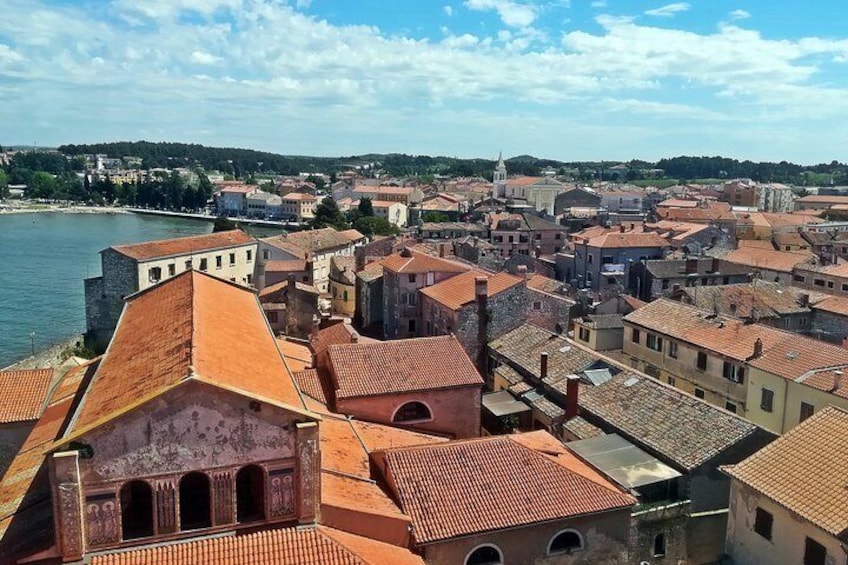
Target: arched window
[250,493]
[566,541]
[412,411]
[195,502]
[485,555]
[136,510]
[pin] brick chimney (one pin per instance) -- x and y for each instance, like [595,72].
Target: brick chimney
[481,294]
[543,366]
[758,348]
[804,299]
[571,396]
[620,228]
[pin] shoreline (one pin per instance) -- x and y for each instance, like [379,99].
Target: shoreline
[49,357]
[47,208]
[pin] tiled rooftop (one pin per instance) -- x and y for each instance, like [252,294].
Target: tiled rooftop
[762,299]
[23,394]
[177,330]
[804,471]
[390,367]
[184,245]
[288,546]
[638,408]
[524,345]
[419,263]
[312,241]
[533,479]
[782,261]
[458,291]
[617,240]
[280,266]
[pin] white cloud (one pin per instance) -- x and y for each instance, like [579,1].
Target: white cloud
[599,4]
[203,58]
[448,10]
[668,10]
[303,4]
[8,55]
[512,14]
[739,15]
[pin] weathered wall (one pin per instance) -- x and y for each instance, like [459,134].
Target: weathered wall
[237,265]
[829,327]
[12,437]
[507,310]
[669,521]
[369,302]
[548,311]
[455,411]
[604,537]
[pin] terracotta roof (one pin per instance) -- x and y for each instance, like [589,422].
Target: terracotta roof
[458,291]
[756,243]
[280,266]
[178,331]
[184,245]
[781,220]
[633,302]
[758,299]
[678,203]
[795,355]
[782,261]
[616,240]
[23,394]
[365,189]
[278,292]
[523,348]
[835,305]
[825,199]
[637,407]
[353,235]
[579,428]
[830,380]
[298,356]
[529,483]
[390,367]
[288,546]
[804,471]
[676,268]
[523,181]
[309,382]
[420,263]
[298,196]
[311,241]
[239,188]
[544,284]
[336,334]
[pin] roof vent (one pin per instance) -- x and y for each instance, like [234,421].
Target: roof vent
[792,355]
[631,381]
[565,349]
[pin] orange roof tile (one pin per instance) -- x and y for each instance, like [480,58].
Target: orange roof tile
[835,305]
[458,291]
[310,383]
[367,189]
[529,486]
[816,198]
[804,471]
[312,241]
[830,380]
[336,334]
[23,394]
[795,355]
[628,240]
[178,331]
[544,284]
[289,546]
[352,234]
[782,261]
[184,245]
[419,263]
[298,356]
[390,367]
[298,196]
[280,266]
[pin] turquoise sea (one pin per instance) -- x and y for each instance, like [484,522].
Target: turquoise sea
[44,258]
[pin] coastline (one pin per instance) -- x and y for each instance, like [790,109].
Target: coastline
[42,208]
[49,357]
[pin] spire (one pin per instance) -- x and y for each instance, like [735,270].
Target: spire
[500,160]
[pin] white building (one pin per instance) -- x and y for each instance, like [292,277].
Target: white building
[397,213]
[775,198]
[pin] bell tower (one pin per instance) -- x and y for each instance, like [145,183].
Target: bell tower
[499,178]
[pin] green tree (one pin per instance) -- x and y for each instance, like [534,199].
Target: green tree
[434,217]
[43,185]
[366,208]
[371,225]
[4,183]
[318,181]
[327,214]
[223,223]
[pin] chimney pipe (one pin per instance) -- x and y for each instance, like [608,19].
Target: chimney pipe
[621,228]
[543,366]
[481,293]
[522,270]
[758,348]
[316,325]
[571,396]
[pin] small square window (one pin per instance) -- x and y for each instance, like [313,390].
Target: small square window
[232,259]
[219,262]
[730,407]
[172,269]
[204,264]
[672,381]
[763,523]
[537,305]
[806,411]
[635,336]
[249,255]
[584,334]
[699,393]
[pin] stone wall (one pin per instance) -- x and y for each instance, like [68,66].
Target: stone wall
[548,311]
[506,311]
[829,327]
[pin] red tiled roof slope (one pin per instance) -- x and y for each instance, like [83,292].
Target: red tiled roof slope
[458,291]
[183,245]
[23,394]
[528,485]
[389,367]
[420,263]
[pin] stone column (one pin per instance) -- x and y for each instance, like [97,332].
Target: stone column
[67,505]
[308,472]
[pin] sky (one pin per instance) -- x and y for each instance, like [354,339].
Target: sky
[560,79]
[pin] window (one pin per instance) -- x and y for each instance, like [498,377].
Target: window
[730,407]
[844,287]
[655,342]
[672,349]
[195,509]
[204,264]
[584,334]
[266,254]
[725,280]
[188,265]
[829,284]
[219,262]
[485,555]
[665,284]
[248,278]
[232,259]
[249,255]
[272,317]
[763,522]
[818,282]
[798,278]
[345,296]
[814,552]
[558,236]
[607,260]
[611,280]
[250,494]
[733,372]
[589,258]
[672,381]
[699,393]
[652,371]
[154,274]
[701,362]
[806,411]
[411,326]
[412,411]
[565,542]
[136,499]
[766,400]
[659,545]
[411,298]
[635,336]
[537,305]
[172,270]
[412,278]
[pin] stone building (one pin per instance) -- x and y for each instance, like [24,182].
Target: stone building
[604,261]
[126,269]
[404,273]
[525,233]
[369,298]
[788,502]
[279,271]
[342,286]
[662,278]
[290,307]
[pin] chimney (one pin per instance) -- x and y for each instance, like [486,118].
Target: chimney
[758,348]
[405,252]
[571,392]
[675,289]
[442,250]
[543,366]
[316,325]
[481,293]
[538,251]
[804,299]
[715,266]
[291,287]
[621,228]
[691,266]
[522,271]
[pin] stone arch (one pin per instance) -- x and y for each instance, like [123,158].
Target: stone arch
[565,541]
[413,411]
[250,493]
[136,498]
[485,554]
[195,501]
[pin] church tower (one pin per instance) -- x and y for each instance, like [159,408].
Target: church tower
[499,178]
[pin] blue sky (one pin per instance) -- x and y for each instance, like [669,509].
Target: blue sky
[568,80]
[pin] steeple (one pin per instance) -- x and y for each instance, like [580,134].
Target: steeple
[499,177]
